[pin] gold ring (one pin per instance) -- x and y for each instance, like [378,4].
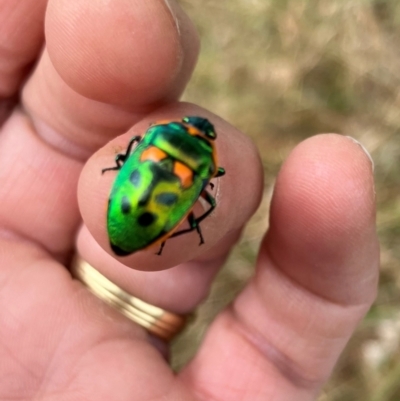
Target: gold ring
[155,320]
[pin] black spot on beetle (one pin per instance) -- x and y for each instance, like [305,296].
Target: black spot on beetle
[135,178]
[161,174]
[146,219]
[167,164]
[167,198]
[125,205]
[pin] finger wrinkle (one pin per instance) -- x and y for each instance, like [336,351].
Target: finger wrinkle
[59,142]
[36,210]
[9,239]
[68,121]
[299,333]
[11,244]
[53,140]
[15,365]
[7,105]
[286,366]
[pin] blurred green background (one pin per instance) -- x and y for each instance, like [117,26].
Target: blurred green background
[284,70]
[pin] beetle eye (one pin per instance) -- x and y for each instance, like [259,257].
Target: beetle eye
[211,134]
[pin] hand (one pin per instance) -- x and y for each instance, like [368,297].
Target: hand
[108,69]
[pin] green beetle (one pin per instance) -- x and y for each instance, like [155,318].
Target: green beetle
[159,182]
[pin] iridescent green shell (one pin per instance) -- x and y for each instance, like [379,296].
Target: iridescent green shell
[149,199]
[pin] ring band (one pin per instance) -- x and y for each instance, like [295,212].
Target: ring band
[155,320]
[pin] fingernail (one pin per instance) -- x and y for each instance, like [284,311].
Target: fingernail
[364,149]
[172,9]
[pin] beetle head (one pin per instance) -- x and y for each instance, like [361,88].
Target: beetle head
[202,124]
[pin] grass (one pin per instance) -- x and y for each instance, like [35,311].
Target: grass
[283,70]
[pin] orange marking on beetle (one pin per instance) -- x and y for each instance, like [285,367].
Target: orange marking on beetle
[192,130]
[153,154]
[162,122]
[184,173]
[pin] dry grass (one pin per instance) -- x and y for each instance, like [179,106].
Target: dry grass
[283,70]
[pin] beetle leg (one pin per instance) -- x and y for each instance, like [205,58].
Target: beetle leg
[119,160]
[161,248]
[121,157]
[206,196]
[221,172]
[195,223]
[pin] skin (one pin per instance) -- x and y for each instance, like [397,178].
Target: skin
[316,274]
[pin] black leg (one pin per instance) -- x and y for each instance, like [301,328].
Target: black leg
[195,223]
[119,161]
[193,226]
[221,172]
[121,157]
[161,248]
[206,196]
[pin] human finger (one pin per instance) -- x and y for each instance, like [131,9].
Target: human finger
[316,278]
[237,194]
[90,86]
[21,38]
[43,143]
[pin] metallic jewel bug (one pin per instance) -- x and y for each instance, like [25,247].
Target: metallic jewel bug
[158,183]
